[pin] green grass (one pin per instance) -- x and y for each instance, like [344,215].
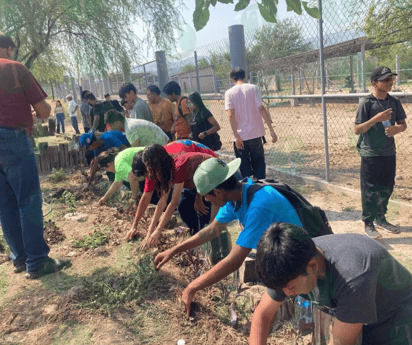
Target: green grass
[124,256]
[4,283]
[72,332]
[290,154]
[349,208]
[92,240]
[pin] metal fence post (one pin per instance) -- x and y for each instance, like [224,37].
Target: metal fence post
[237,46]
[145,76]
[363,64]
[322,71]
[106,84]
[162,69]
[398,71]
[197,73]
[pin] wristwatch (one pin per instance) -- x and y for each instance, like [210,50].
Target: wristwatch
[205,133]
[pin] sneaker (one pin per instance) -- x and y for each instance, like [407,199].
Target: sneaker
[385,225]
[19,268]
[371,232]
[48,266]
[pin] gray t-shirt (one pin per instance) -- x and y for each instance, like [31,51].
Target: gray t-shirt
[363,284]
[85,109]
[142,111]
[375,142]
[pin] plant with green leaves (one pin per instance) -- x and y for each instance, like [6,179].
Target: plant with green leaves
[58,175]
[94,239]
[70,201]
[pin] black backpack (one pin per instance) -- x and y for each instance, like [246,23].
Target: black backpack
[313,218]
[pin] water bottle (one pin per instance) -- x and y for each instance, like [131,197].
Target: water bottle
[181,342]
[386,124]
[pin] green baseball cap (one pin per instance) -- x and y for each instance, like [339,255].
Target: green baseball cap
[213,172]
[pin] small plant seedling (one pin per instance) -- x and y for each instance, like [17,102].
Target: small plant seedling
[57,175]
[349,208]
[327,191]
[343,194]
[93,240]
[70,201]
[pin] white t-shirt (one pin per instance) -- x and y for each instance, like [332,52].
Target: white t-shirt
[246,99]
[72,106]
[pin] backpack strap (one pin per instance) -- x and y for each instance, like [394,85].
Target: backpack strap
[179,106]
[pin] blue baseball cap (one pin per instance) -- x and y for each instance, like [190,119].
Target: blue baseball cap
[87,138]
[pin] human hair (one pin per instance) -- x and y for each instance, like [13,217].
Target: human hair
[58,101]
[237,74]
[197,100]
[107,95]
[229,185]
[107,157]
[89,95]
[6,41]
[172,87]
[283,253]
[113,115]
[83,94]
[123,102]
[154,89]
[160,166]
[126,88]
[138,167]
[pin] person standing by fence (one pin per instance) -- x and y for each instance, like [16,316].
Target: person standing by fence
[59,114]
[378,118]
[21,214]
[73,107]
[85,110]
[245,108]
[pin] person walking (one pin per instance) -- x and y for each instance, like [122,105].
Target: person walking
[59,114]
[21,201]
[73,113]
[245,108]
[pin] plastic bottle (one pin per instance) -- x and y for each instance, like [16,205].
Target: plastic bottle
[181,342]
[386,124]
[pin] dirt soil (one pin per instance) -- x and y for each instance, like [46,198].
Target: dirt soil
[46,311]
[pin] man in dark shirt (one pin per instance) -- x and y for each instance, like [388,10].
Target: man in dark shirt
[85,109]
[99,110]
[349,276]
[21,213]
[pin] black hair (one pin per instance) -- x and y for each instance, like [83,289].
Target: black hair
[83,94]
[107,95]
[197,100]
[113,115]
[237,74]
[138,167]
[154,89]
[126,88]
[123,102]
[172,87]
[6,41]
[90,96]
[229,185]
[283,252]
[107,157]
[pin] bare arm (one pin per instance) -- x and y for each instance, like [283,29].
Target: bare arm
[141,209]
[345,333]
[233,124]
[268,120]
[205,235]
[115,186]
[134,184]
[96,121]
[75,109]
[89,120]
[42,109]
[366,126]
[262,317]
[396,129]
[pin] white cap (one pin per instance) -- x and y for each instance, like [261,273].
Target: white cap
[69,96]
[181,342]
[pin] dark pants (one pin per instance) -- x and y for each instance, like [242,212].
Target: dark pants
[86,129]
[377,182]
[60,122]
[75,124]
[169,134]
[155,197]
[193,220]
[253,158]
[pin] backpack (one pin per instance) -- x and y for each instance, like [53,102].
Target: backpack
[313,218]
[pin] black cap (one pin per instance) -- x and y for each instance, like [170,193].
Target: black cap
[381,73]
[6,41]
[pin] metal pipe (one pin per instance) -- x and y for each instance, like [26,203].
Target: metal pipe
[197,73]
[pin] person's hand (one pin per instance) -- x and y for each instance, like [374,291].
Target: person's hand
[239,144]
[274,136]
[154,238]
[201,136]
[162,258]
[200,207]
[145,243]
[384,115]
[102,201]
[187,298]
[132,233]
[391,131]
[190,135]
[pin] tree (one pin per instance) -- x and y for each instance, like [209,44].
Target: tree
[96,33]
[267,8]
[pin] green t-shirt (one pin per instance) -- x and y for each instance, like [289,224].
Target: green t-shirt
[123,163]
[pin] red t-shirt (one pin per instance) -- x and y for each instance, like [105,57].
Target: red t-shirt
[18,90]
[186,165]
[177,147]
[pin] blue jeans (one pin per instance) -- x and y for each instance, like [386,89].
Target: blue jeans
[75,124]
[21,201]
[60,122]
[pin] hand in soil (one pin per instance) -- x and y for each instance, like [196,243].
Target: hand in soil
[154,239]
[162,258]
[102,201]
[187,299]
[131,234]
[145,243]
[200,207]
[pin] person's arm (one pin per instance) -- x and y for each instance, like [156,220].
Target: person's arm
[367,125]
[89,120]
[75,109]
[345,333]
[42,109]
[96,121]
[233,124]
[141,209]
[262,317]
[228,265]
[213,130]
[263,112]
[134,184]
[205,235]
[122,147]
[177,192]
[115,186]
[398,128]
[94,166]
